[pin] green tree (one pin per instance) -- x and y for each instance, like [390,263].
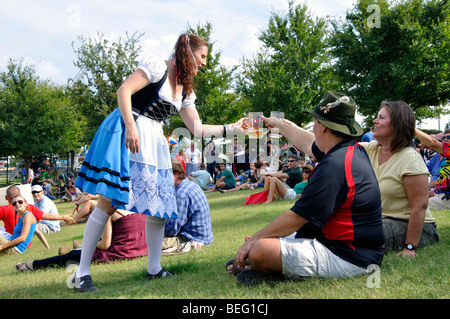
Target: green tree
[216,102]
[104,65]
[395,50]
[292,71]
[36,117]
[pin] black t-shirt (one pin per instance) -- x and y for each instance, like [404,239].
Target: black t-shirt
[342,204]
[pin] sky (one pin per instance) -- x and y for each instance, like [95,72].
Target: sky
[41,32]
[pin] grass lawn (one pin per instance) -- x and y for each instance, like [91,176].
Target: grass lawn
[201,274]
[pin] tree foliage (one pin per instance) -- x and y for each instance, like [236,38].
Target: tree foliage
[104,65]
[292,71]
[400,50]
[36,117]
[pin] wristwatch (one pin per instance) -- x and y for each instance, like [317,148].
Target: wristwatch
[410,246]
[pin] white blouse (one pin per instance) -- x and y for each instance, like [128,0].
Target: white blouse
[155,68]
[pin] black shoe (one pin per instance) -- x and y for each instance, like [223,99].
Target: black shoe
[162,273]
[252,277]
[84,284]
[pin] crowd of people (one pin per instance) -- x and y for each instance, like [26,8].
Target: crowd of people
[352,201]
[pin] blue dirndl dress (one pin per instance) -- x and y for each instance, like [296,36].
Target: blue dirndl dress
[140,182]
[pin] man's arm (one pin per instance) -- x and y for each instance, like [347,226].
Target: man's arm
[430,142]
[302,139]
[65,218]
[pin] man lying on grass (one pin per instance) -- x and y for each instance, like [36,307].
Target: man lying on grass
[336,224]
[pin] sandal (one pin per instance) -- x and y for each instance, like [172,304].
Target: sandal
[235,269]
[23,267]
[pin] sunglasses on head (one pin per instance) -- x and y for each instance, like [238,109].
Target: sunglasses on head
[19,201]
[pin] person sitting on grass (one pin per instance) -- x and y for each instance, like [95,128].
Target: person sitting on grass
[9,218]
[23,231]
[123,238]
[282,183]
[71,193]
[254,175]
[87,203]
[306,171]
[201,177]
[226,180]
[336,222]
[193,224]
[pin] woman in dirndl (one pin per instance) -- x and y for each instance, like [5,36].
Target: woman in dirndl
[128,163]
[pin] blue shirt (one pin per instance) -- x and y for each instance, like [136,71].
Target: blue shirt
[203,177]
[49,207]
[194,218]
[434,166]
[367,137]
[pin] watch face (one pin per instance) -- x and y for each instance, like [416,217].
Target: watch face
[409,246]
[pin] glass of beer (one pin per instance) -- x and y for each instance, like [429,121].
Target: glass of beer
[255,125]
[274,131]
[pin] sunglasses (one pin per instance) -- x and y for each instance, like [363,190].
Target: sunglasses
[19,201]
[446,137]
[35,192]
[306,171]
[291,161]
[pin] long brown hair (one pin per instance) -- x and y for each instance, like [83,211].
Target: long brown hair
[403,121]
[183,59]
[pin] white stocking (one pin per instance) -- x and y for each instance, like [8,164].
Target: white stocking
[92,233]
[154,235]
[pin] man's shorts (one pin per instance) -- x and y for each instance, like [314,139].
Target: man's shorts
[228,186]
[304,257]
[290,194]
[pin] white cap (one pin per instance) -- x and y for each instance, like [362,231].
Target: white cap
[36,188]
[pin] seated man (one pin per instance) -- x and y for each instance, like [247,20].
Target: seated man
[201,177]
[194,220]
[337,221]
[47,206]
[282,183]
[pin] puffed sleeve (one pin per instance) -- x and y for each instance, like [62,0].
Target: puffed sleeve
[189,101]
[154,68]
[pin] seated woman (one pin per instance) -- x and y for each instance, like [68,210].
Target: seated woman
[122,238]
[403,180]
[23,231]
[71,193]
[306,171]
